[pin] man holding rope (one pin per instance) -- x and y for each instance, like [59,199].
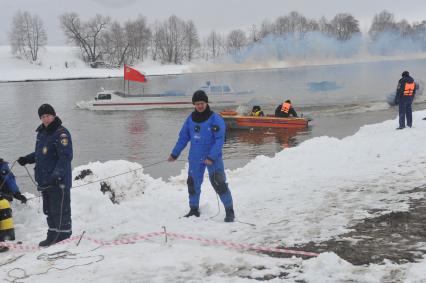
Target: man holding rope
[52,157]
[205,130]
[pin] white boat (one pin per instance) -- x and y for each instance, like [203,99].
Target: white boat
[116,100]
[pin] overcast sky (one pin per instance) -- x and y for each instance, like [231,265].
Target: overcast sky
[221,15]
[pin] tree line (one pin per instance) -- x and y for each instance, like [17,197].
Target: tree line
[103,41]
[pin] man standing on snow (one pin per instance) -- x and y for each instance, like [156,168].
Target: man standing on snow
[404,97]
[52,157]
[206,132]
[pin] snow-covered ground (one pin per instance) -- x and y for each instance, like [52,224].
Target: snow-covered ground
[312,192]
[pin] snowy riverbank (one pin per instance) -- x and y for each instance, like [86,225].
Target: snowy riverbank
[312,192]
[55,59]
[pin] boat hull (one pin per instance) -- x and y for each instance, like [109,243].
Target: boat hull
[146,103]
[249,122]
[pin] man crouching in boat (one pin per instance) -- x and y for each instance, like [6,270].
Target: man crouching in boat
[206,132]
[257,111]
[8,191]
[285,110]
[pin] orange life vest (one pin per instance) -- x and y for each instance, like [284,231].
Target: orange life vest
[286,107]
[409,89]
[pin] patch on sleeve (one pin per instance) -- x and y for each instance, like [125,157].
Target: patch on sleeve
[64,141]
[63,136]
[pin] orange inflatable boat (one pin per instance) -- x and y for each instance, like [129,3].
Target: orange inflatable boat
[235,121]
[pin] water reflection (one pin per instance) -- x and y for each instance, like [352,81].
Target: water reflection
[136,128]
[285,138]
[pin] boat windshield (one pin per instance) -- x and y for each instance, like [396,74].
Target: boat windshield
[104,96]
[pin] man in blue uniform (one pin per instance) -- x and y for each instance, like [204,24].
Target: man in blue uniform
[52,157]
[8,191]
[206,132]
[404,97]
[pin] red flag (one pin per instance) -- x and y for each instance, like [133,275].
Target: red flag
[133,75]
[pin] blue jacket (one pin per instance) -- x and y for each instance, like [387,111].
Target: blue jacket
[207,138]
[7,179]
[52,156]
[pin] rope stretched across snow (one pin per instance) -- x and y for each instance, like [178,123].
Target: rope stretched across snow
[178,236]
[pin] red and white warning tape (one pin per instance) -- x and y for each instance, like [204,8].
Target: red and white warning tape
[139,237]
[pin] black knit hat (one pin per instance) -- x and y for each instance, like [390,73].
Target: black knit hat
[405,74]
[46,109]
[200,95]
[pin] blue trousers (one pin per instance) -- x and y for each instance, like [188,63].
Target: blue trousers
[405,110]
[57,208]
[217,179]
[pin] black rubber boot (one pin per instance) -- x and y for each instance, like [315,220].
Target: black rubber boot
[230,215]
[193,212]
[46,243]
[50,240]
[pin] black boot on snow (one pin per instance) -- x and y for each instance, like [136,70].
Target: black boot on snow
[51,239]
[193,212]
[230,216]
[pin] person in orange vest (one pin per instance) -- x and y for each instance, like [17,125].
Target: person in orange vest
[257,111]
[285,110]
[404,97]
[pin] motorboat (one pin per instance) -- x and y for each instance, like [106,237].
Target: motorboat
[219,95]
[235,121]
[116,100]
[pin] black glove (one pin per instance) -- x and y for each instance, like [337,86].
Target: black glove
[20,197]
[22,161]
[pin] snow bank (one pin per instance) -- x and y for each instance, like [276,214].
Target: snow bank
[308,193]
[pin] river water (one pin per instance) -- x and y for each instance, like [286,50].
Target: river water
[340,99]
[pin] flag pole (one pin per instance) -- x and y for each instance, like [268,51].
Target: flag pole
[124,80]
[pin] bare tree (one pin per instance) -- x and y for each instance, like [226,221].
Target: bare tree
[235,41]
[27,35]
[139,36]
[344,26]
[115,45]
[382,22]
[281,25]
[254,34]
[170,40]
[266,28]
[404,28]
[192,41]
[214,45]
[295,24]
[325,26]
[85,35]
[419,33]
